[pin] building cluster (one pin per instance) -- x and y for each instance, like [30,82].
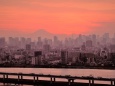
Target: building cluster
[91,50]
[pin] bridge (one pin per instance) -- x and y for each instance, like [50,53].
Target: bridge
[19,79]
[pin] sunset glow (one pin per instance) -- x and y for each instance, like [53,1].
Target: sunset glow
[58,16]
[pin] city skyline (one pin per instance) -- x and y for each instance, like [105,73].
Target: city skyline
[58,17]
[45,34]
[84,50]
[57,42]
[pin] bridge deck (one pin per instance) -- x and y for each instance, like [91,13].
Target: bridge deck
[35,81]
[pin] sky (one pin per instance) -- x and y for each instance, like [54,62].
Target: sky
[58,16]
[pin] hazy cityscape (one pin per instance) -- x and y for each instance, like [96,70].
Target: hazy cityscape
[80,51]
[57,42]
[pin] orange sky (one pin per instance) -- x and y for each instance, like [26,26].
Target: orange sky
[58,16]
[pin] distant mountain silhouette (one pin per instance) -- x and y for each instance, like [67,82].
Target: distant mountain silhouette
[45,34]
[39,33]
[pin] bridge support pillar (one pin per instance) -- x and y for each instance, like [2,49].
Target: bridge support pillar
[114,83]
[18,77]
[7,76]
[4,79]
[89,82]
[92,82]
[34,78]
[21,77]
[111,83]
[70,81]
[53,79]
[37,78]
[3,76]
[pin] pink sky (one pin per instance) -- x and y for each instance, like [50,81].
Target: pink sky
[58,16]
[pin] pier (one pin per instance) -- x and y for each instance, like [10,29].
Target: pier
[70,80]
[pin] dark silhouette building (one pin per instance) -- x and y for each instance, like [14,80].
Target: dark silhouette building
[64,57]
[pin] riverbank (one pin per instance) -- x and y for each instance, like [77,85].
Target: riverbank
[60,67]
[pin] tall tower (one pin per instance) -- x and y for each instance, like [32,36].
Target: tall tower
[28,47]
[64,57]
[89,43]
[38,57]
[2,42]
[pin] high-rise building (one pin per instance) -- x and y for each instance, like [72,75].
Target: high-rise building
[106,37]
[39,39]
[11,41]
[55,39]
[114,35]
[45,41]
[33,45]
[28,47]
[112,55]
[2,42]
[89,43]
[38,57]
[39,43]
[28,41]
[55,42]
[80,40]
[83,47]
[64,57]
[112,48]
[23,42]
[94,39]
[46,48]
[16,42]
